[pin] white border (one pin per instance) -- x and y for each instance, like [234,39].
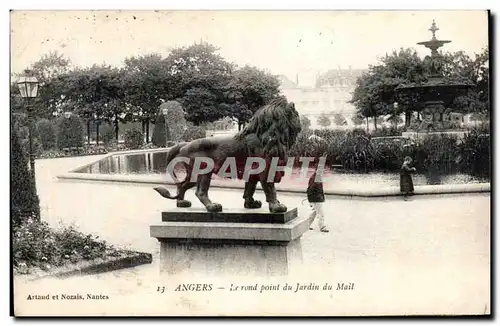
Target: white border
[143,5]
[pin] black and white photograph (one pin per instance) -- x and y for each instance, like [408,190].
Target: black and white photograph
[237,163]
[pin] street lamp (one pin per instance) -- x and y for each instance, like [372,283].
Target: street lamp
[28,87]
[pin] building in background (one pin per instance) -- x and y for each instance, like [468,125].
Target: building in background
[330,95]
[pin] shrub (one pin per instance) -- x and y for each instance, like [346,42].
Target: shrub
[176,121]
[194,132]
[46,132]
[475,153]
[70,132]
[385,132]
[107,134]
[133,138]
[160,131]
[356,151]
[24,200]
[35,244]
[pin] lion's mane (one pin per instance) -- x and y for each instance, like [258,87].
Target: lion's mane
[275,126]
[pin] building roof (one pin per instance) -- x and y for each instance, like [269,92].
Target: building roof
[339,75]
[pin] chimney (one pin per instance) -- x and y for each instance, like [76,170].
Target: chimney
[297,79]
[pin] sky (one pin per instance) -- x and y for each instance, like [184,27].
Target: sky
[284,42]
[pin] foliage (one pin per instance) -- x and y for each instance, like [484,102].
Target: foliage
[107,134]
[459,67]
[96,93]
[475,153]
[339,119]
[375,92]
[324,121]
[51,91]
[194,132]
[133,138]
[198,78]
[384,132]
[357,120]
[46,134]
[355,151]
[36,245]
[160,132]
[70,132]
[394,119]
[146,84]
[202,105]
[305,122]
[24,199]
[176,122]
[249,89]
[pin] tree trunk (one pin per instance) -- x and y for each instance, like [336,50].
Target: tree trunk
[97,134]
[88,132]
[375,122]
[116,127]
[147,131]
[407,118]
[367,129]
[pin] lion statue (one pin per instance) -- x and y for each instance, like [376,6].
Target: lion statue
[269,134]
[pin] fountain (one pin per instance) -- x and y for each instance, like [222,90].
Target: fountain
[435,95]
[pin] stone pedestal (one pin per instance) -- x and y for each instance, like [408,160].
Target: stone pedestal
[236,242]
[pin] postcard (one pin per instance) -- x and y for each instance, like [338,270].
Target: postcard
[250,163]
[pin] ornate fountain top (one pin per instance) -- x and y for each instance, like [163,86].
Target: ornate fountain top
[434,29]
[434,44]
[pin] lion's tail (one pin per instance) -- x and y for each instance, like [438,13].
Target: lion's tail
[171,154]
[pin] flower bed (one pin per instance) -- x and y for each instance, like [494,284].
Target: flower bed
[40,250]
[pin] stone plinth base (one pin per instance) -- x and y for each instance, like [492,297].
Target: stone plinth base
[218,248]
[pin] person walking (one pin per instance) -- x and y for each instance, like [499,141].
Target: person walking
[316,198]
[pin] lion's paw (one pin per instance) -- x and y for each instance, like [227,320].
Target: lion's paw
[277,208]
[214,207]
[253,204]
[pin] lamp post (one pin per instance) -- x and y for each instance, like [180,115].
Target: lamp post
[28,87]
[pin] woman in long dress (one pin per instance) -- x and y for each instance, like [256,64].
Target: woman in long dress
[406,183]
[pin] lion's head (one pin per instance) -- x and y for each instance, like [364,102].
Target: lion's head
[276,126]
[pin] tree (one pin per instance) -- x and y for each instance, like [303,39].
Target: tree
[458,67]
[147,85]
[198,79]
[249,89]
[324,121]
[46,133]
[357,120]
[202,105]
[160,132]
[107,134]
[51,91]
[96,93]
[375,91]
[133,138]
[24,200]
[175,120]
[305,122]
[339,119]
[69,132]
[394,119]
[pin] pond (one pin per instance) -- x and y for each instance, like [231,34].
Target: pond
[154,163]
